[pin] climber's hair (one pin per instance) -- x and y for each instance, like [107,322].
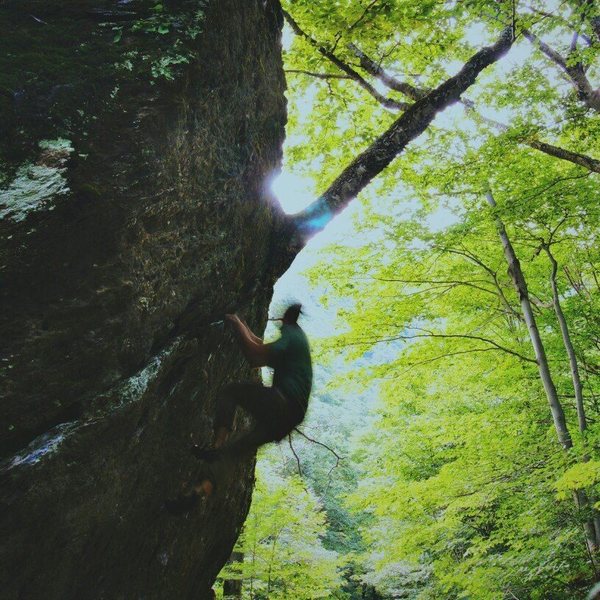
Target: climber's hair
[292,313]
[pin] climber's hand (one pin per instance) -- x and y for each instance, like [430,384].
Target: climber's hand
[236,323]
[233,319]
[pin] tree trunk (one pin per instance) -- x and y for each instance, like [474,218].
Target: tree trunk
[232,587]
[518,279]
[558,416]
[566,337]
[593,528]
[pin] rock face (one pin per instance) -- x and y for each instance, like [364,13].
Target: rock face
[136,142]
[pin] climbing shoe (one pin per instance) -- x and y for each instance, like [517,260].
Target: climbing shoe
[203,453]
[183,503]
[188,500]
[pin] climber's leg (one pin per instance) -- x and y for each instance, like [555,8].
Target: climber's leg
[265,404]
[189,497]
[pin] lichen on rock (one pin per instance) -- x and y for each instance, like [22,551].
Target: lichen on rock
[35,184]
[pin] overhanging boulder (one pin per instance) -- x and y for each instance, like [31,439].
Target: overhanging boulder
[137,142]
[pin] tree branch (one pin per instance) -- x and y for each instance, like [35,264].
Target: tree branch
[471,257]
[450,336]
[318,75]
[352,74]
[295,455]
[442,356]
[587,162]
[370,66]
[562,21]
[575,72]
[591,14]
[556,182]
[337,456]
[452,282]
[363,16]
[370,163]
[583,160]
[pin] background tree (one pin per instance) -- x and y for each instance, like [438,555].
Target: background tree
[465,387]
[282,542]
[465,467]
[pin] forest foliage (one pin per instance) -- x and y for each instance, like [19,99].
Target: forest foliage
[467,294]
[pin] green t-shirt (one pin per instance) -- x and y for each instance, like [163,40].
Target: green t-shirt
[290,358]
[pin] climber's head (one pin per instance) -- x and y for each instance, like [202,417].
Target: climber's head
[291,314]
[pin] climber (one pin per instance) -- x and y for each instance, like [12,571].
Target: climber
[276,410]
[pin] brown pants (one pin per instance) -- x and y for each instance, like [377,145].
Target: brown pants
[275,415]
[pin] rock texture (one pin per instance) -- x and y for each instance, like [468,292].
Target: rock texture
[135,146]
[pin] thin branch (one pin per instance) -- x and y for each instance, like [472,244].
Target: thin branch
[552,54]
[440,282]
[295,455]
[471,257]
[38,20]
[363,16]
[574,72]
[337,456]
[373,68]
[387,102]
[446,336]
[318,75]
[591,14]
[540,191]
[574,40]
[562,21]
[482,339]
[583,160]
[338,459]
[442,356]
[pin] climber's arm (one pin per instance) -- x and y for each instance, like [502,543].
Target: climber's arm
[254,349]
[255,338]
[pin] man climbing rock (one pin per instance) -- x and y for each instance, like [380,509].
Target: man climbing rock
[276,409]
